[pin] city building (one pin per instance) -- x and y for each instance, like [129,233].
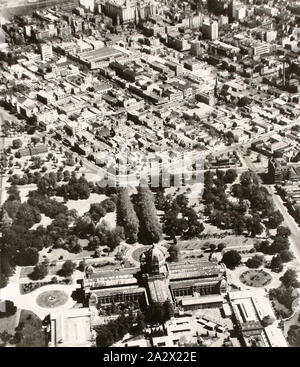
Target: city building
[187,284]
[46,52]
[70,328]
[210,30]
[259,49]
[249,309]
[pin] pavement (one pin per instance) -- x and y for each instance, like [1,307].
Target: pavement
[289,221]
[29,301]
[1,175]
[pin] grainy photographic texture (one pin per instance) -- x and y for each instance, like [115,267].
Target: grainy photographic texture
[149,174]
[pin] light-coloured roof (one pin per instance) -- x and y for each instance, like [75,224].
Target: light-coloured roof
[201,300]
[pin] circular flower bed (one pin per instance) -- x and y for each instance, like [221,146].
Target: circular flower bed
[256,278]
[52,299]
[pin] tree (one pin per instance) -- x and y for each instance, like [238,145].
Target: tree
[68,268]
[83,226]
[109,205]
[289,279]
[97,211]
[72,244]
[47,184]
[6,220]
[212,247]
[7,308]
[104,337]
[40,271]
[247,178]
[150,231]
[230,176]
[231,259]
[275,219]
[126,216]
[35,140]
[244,101]
[279,244]
[70,162]
[28,215]
[254,225]
[115,237]
[140,324]
[82,265]
[168,310]
[286,256]
[239,225]
[276,263]
[27,257]
[294,336]
[67,175]
[13,193]
[256,261]
[221,247]
[283,231]
[155,313]
[229,137]
[3,280]
[267,320]
[182,201]
[17,143]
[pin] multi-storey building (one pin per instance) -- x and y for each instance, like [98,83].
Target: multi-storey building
[156,281]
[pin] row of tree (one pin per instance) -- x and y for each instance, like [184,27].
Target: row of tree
[150,230]
[126,216]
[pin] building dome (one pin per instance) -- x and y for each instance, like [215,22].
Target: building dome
[152,260]
[156,255]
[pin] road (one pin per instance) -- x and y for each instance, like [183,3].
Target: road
[2,141]
[289,221]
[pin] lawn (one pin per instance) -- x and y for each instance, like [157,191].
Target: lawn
[45,221]
[52,299]
[32,332]
[8,324]
[229,240]
[83,206]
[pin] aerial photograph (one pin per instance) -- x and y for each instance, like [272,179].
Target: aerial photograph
[149,175]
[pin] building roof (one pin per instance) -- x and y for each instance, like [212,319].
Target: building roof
[189,301]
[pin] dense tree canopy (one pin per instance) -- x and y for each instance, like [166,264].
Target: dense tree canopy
[40,271]
[126,216]
[256,261]
[231,259]
[68,268]
[150,229]
[290,279]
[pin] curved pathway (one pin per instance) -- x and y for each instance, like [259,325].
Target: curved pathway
[133,248]
[29,301]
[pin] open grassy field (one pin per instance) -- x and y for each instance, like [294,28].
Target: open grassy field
[32,332]
[8,324]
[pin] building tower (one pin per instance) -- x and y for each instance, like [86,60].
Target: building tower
[283,73]
[155,275]
[216,90]
[214,31]
[231,11]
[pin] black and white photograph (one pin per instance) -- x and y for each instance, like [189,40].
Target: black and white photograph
[149,176]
